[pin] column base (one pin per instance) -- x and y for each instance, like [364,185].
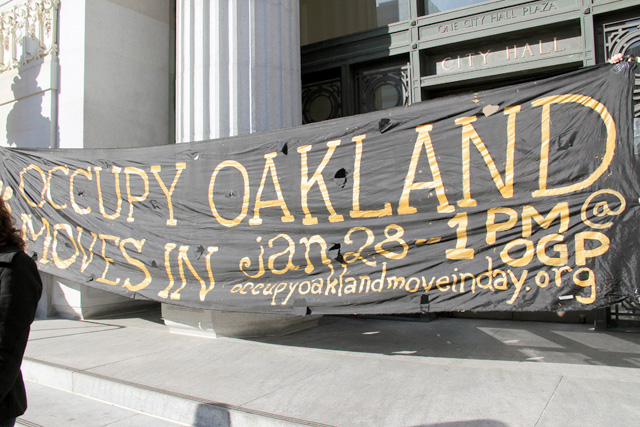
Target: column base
[72,300]
[215,323]
[45,308]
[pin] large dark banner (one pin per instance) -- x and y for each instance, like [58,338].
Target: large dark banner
[520,198]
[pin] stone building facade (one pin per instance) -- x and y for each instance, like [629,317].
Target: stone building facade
[142,73]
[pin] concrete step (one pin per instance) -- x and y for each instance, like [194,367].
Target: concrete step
[50,407]
[119,402]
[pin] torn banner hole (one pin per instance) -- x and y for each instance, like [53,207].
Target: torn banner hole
[340,178]
[387,124]
[283,148]
[490,109]
[334,252]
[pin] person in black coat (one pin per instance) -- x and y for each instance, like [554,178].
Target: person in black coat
[20,290]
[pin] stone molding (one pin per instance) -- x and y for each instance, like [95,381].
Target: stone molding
[28,31]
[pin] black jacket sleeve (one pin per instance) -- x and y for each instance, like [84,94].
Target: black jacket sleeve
[20,290]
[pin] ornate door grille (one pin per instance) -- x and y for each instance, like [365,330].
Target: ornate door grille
[624,37]
[321,101]
[382,88]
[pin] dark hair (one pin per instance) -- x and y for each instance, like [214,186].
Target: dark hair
[8,232]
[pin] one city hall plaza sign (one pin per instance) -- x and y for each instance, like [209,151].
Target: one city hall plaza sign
[519,198]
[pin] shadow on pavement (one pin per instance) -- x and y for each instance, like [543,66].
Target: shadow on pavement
[519,341]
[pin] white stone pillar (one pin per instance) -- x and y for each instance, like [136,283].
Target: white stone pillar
[116,90]
[237,67]
[237,72]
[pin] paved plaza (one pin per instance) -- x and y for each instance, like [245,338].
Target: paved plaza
[348,371]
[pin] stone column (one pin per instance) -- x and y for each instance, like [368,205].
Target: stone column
[237,67]
[237,72]
[116,90]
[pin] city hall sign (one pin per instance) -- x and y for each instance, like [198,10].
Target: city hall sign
[523,198]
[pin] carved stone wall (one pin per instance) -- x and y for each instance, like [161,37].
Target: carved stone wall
[28,31]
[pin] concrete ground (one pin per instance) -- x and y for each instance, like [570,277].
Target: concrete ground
[349,371]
